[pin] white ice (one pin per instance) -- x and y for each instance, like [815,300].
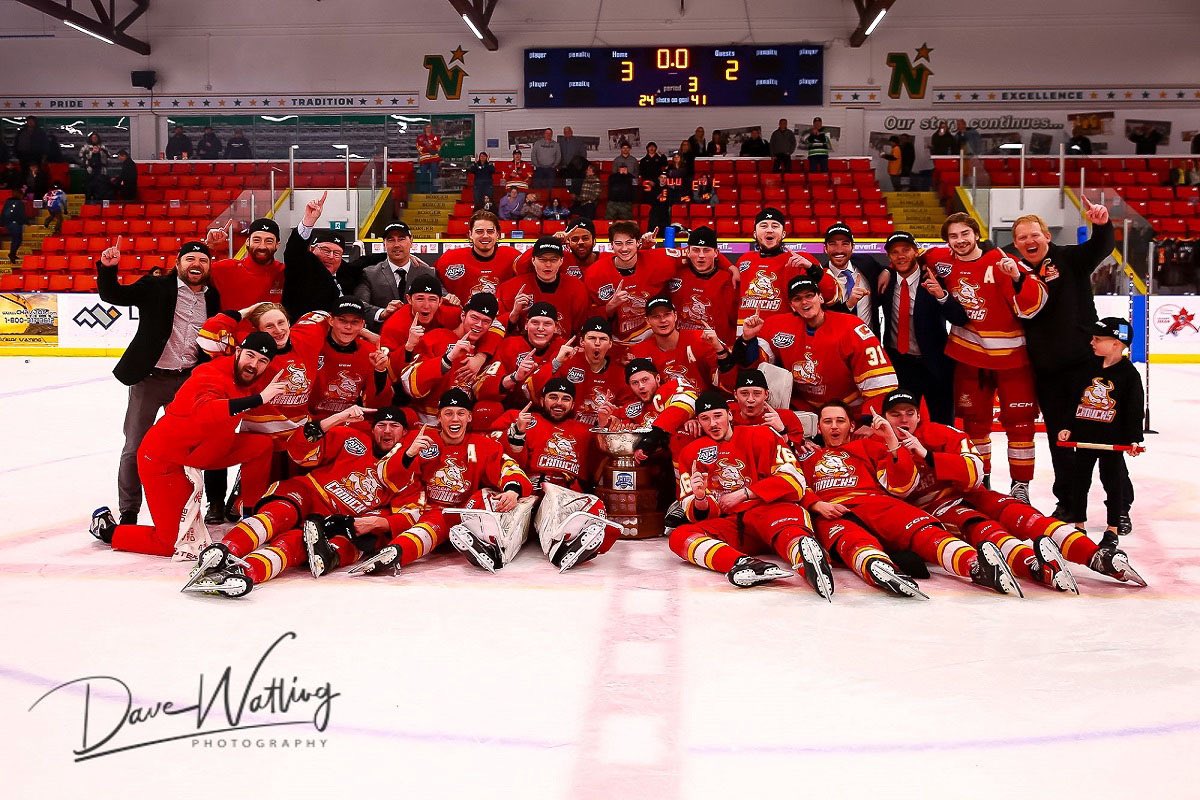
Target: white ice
[633,676]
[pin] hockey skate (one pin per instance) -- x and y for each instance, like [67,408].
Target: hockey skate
[322,558]
[385,562]
[1124,525]
[483,554]
[1049,566]
[674,517]
[886,577]
[212,559]
[1020,491]
[991,571]
[580,547]
[103,524]
[749,571]
[815,566]
[227,583]
[1113,562]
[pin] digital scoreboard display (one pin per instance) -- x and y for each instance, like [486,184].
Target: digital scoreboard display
[659,77]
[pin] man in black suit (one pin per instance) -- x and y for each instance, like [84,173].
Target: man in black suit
[857,274]
[171,310]
[310,265]
[916,310]
[383,285]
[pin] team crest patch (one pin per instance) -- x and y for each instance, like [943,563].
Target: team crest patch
[575,375]
[455,271]
[707,455]
[863,332]
[633,409]
[355,447]
[430,452]
[606,291]
[674,285]
[942,268]
[1049,271]
[783,340]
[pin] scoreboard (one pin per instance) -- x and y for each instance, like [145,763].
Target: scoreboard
[657,77]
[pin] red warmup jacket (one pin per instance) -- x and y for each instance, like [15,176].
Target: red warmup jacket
[200,412]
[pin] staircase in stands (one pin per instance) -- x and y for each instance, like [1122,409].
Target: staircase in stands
[919,213]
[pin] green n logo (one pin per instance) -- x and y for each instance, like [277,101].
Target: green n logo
[449,80]
[913,79]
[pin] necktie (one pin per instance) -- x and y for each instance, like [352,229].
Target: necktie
[904,318]
[400,287]
[848,274]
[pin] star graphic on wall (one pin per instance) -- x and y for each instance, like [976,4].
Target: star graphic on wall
[95,104]
[111,103]
[477,100]
[191,103]
[854,96]
[206,104]
[492,100]
[378,101]
[871,96]
[221,103]
[508,101]
[941,96]
[457,54]
[1145,95]
[237,102]
[1179,95]
[1128,95]
[412,101]
[1162,95]
[395,101]
[923,52]
[124,104]
[141,103]
[1094,95]
[8,103]
[362,101]
[266,101]
[175,103]
[1111,95]
[974,95]
[37,104]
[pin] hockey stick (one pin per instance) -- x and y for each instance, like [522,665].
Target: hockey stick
[1124,448]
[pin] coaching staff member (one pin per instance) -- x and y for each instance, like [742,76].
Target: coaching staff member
[385,279]
[1058,337]
[171,310]
[310,265]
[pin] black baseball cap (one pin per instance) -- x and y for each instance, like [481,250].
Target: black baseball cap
[349,305]
[703,236]
[1114,328]
[456,398]
[397,227]
[749,378]
[264,225]
[194,247]
[802,283]
[639,365]
[260,342]
[330,237]
[711,400]
[558,385]
[899,397]
[657,302]
[770,214]
[543,309]
[899,237]
[484,303]
[596,325]
[581,222]
[547,244]
[425,284]
[391,414]
[839,229]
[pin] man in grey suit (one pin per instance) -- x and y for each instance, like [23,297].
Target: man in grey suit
[384,284]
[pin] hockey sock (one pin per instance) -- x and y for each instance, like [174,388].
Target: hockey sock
[937,546]
[1016,552]
[980,433]
[253,532]
[697,547]
[853,545]
[1075,546]
[1020,451]
[347,553]
[285,550]
[420,540]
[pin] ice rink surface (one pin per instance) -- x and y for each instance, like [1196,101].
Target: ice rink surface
[632,676]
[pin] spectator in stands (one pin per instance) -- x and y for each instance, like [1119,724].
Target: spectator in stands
[818,144]
[704,192]
[209,146]
[697,145]
[55,202]
[660,205]
[717,145]
[510,204]
[622,187]
[387,277]
[484,172]
[238,146]
[531,209]
[783,144]
[589,193]
[943,142]
[12,216]
[517,173]
[93,157]
[54,153]
[125,185]
[574,159]
[754,146]
[1078,144]
[968,138]
[1146,140]
[679,179]
[687,155]
[35,181]
[626,158]
[179,146]
[546,157]
[488,205]
[556,210]
[651,166]
[30,144]
[311,263]
[908,159]
[429,157]
[891,154]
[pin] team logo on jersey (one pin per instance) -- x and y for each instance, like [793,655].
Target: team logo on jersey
[358,491]
[833,471]
[575,272]
[783,340]
[806,371]
[355,447]
[707,455]
[942,268]
[485,284]
[762,287]
[455,271]
[697,310]
[1048,271]
[606,292]
[676,372]
[449,482]
[674,285]
[864,332]
[575,375]
[1097,403]
[634,408]
[560,454]
[345,386]
[728,475]
[967,295]
[430,452]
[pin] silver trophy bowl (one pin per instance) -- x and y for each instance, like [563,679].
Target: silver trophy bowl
[619,443]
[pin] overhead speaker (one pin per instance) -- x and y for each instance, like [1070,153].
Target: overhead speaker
[143,79]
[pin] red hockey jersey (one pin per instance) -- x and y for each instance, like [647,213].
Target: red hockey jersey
[593,389]
[858,468]
[564,453]
[344,469]
[464,272]
[705,301]
[244,282]
[692,361]
[568,295]
[953,466]
[672,405]
[447,475]
[511,353]
[765,282]
[344,376]
[648,278]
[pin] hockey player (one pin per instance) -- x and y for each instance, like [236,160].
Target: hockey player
[580,240]
[752,408]
[768,271]
[198,430]
[660,406]
[425,311]
[343,483]
[831,355]
[483,266]
[743,496]
[620,282]
[864,479]
[257,278]
[691,357]
[547,284]
[997,293]
[519,357]
[598,379]
[449,468]
[349,369]
[551,446]
[702,290]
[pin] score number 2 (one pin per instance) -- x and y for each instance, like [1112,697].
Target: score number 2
[731,69]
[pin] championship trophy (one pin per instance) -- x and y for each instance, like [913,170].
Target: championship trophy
[633,493]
